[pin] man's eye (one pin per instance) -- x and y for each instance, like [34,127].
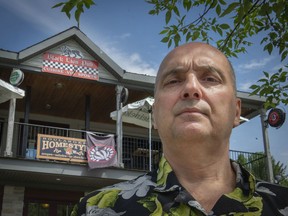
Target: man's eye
[171,82]
[211,79]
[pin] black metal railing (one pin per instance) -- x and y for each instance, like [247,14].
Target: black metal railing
[135,150]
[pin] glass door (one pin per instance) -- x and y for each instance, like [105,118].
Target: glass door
[47,209]
[35,209]
[64,210]
[49,202]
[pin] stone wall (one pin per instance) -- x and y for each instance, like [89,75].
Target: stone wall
[13,200]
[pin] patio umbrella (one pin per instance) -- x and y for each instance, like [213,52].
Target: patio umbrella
[138,113]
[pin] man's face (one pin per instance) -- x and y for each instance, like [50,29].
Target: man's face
[194,96]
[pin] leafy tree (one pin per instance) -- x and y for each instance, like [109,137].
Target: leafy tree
[256,163]
[70,5]
[232,25]
[229,24]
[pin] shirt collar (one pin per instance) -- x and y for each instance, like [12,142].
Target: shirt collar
[167,181]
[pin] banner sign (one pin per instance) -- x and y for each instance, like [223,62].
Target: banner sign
[61,148]
[101,151]
[70,66]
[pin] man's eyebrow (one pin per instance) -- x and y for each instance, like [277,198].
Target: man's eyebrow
[174,70]
[212,69]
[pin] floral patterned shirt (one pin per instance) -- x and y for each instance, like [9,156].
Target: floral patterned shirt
[160,194]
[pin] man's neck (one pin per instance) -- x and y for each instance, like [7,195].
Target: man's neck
[205,177]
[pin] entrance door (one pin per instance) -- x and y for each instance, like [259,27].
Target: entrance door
[41,202]
[35,208]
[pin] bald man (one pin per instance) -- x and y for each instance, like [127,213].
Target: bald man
[195,110]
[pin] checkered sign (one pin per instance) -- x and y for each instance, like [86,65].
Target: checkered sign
[69,66]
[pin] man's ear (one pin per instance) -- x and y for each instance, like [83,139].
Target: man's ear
[237,113]
[153,117]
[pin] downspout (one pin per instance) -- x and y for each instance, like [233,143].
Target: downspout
[26,121]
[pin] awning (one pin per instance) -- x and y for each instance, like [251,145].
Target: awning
[8,91]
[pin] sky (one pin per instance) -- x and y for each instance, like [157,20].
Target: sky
[130,36]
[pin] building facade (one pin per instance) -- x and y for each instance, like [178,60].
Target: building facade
[71,87]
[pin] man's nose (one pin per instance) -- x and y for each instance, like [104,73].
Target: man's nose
[191,88]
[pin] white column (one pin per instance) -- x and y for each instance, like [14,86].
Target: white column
[10,129]
[119,129]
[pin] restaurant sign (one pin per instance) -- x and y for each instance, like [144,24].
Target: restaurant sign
[70,63]
[61,148]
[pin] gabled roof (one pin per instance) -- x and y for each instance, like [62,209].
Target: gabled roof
[76,34]
[16,58]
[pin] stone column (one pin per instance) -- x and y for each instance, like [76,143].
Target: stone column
[13,201]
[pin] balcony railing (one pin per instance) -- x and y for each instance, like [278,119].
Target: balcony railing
[135,150]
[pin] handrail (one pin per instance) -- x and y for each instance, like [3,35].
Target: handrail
[134,157]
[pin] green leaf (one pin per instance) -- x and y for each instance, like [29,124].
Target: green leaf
[213,21]
[152,12]
[195,35]
[269,48]
[167,17]
[254,86]
[187,4]
[77,15]
[88,3]
[176,11]
[282,79]
[264,40]
[165,39]
[255,92]
[213,28]
[266,74]
[230,8]
[203,34]
[224,26]
[188,36]
[58,5]
[218,10]
[219,30]
[223,2]
[214,3]
[169,43]
[177,39]
[247,5]
[164,31]
[263,80]
[284,55]
[273,35]
[263,92]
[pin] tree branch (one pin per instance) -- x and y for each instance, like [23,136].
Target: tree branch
[238,24]
[198,20]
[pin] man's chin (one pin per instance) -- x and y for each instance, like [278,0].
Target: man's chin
[192,131]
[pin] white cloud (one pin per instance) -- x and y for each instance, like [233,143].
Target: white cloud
[254,64]
[277,67]
[38,13]
[124,35]
[131,62]
[245,86]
